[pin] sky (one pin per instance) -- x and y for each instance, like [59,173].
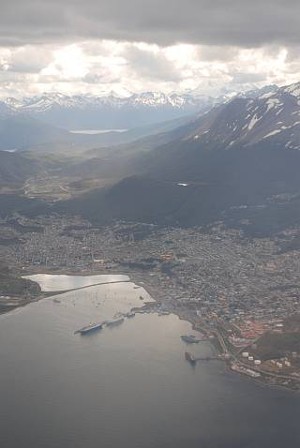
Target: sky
[98,46]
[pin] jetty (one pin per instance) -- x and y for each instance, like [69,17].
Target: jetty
[193,360]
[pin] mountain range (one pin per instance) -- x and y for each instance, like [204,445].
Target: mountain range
[44,121]
[237,162]
[110,111]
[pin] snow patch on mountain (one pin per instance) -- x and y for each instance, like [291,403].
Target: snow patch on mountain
[273,133]
[253,122]
[246,120]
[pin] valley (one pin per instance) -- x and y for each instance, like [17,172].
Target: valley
[149,224]
[203,211]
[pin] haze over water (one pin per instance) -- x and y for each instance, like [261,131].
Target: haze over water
[127,386]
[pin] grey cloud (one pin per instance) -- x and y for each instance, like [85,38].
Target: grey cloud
[100,77]
[245,78]
[29,59]
[213,22]
[217,53]
[293,54]
[147,64]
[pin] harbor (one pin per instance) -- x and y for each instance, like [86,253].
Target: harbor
[135,371]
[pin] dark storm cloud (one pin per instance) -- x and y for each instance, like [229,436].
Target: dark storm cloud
[215,22]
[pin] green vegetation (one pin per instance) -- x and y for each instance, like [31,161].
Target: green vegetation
[277,345]
[12,285]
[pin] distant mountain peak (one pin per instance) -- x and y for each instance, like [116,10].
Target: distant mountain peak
[294,90]
[115,110]
[124,110]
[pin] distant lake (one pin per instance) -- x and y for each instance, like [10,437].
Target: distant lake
[127,386]
[96,131]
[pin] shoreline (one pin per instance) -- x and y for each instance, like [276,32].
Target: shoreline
[139,279]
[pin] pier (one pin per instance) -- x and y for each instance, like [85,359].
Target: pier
[193,360]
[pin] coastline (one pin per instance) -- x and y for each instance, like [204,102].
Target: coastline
[266,379]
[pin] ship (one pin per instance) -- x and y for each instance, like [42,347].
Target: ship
[112,323]
[190,339]
[90,328]
[190,358]
[163,313]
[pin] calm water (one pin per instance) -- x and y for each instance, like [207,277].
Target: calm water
[96,131]
[127,386]
[66,282]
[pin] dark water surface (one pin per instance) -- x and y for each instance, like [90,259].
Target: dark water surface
[128,386]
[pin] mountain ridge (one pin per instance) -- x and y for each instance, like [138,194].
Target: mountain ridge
[111,111]
[200,177]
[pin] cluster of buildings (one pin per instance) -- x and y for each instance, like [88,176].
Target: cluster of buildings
[215,278]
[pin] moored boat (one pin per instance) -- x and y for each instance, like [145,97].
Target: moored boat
[90,328]
[190,339]
[114,322]
[190,358]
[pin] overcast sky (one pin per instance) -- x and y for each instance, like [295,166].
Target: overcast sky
[79,46]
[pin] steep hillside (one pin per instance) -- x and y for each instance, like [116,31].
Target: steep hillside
[272,117]
[266,122]
[22,132]
[15,168]
[134,198]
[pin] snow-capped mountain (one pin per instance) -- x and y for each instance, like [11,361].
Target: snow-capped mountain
[237,164]
[232,119]
[271,115]
[109,111]
[152,99]
[106,111]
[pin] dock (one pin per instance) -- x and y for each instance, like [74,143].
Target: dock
[193,360]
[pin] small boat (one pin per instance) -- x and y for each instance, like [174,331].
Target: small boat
[129,315]
[90,328]
[190,358]
[115,322]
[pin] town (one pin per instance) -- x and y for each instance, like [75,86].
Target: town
[243,294]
